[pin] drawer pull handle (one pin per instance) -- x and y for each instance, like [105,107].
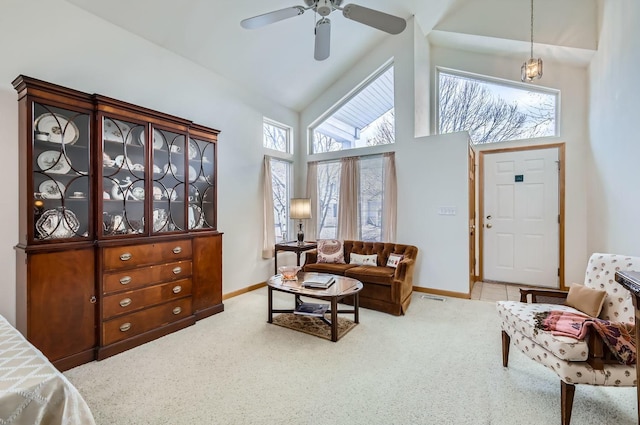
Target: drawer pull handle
[177,250]
[126,256]
[125,280]
[177,310]
[177,270]
[125,327]
[125,302]
[177,289]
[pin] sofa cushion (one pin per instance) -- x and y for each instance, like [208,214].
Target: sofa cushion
[394,259]
[370,274]
[338,269]
[363,260]
[330,251]
[520,316]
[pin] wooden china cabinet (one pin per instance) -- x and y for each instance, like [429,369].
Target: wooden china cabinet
[118,237]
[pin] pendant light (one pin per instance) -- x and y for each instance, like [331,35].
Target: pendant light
[532,68]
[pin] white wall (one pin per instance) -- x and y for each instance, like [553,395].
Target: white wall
[431,171]
[614,174]
[60,43]
[572,81]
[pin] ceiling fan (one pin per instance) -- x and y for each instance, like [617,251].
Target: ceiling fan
[364,15]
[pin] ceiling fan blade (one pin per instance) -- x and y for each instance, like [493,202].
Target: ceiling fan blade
[374,18]
[323,39]
[271,17]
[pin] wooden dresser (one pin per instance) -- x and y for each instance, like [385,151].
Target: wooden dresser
[118,236]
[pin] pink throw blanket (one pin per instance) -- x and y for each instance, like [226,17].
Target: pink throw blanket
[619,337]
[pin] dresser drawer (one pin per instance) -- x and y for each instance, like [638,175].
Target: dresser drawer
[127,326]
[124,257]
[143,276]
[127,302]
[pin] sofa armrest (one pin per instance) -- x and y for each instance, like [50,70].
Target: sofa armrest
[311,256]
[535,293]
[404,269]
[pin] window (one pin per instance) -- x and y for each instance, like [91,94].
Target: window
[276,136]
[369,198]
[328,193]
[280,182]
[493,110]
[366,118]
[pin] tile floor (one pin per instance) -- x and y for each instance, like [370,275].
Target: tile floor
[492,291]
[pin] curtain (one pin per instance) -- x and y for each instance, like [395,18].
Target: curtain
[389,198]
[268,231]
[348,213]
[311,231]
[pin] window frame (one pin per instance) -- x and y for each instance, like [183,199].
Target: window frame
[289,190]
[289,135]
[343,101]
[497,81]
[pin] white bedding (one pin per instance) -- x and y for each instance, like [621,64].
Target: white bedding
[32,391]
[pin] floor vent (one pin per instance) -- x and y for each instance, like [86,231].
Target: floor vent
[432,297]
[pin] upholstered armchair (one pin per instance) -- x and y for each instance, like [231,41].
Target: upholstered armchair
[576,361]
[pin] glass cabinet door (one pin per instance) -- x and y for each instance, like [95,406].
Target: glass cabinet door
[123,177]
[168,181]
[61,158]
[202,197]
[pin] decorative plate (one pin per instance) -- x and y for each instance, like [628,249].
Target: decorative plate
[196,217]
[57,224]
[60,129]
[54,162]
[193,149]
[116,131]
[174,169]
[121,160]
[138,193]
[51,189]
[158,139]
[193,174]
[172,194]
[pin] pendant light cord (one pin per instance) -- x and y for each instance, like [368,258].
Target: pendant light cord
[531,29]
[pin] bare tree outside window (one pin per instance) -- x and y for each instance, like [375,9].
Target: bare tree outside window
[493,112]
[328,192]
[280,171]
[275,136]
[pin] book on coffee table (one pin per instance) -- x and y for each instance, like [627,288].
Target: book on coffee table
[311,309]
[320,282]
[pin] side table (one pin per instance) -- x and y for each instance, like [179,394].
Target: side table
[631,281]
[293,247]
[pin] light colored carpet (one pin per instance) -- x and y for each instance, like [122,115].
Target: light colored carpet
[439,364]
[314,325]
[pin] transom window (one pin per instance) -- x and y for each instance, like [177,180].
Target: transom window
[366,118]
[276,136]
[494,110]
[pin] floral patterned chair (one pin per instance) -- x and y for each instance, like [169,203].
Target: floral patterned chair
[575,361]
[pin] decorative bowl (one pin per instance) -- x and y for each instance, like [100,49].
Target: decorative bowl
[289,272]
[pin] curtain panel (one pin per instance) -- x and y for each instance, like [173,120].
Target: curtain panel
[268,224]
[348,211]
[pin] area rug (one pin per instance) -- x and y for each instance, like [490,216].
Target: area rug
[313,325]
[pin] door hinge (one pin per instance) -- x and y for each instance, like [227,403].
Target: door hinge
[558,218]
[558,271]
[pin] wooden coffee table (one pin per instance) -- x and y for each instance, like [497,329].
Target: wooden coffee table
[343,287]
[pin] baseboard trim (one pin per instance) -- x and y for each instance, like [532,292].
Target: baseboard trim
[442,292]
[244,290]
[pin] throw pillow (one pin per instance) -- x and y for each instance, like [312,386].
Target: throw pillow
[587,300]
[364,260]
[330,251]
[394,259]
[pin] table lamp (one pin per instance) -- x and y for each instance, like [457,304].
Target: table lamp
[299,209]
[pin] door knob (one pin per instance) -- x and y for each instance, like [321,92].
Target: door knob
[489,225]
[489,217]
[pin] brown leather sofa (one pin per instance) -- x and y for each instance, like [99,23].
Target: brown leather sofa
[386,289]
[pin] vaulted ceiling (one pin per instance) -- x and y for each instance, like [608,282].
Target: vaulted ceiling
[277,60]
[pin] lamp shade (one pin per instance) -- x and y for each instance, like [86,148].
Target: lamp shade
[300,208]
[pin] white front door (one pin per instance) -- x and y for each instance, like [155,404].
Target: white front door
[521,217]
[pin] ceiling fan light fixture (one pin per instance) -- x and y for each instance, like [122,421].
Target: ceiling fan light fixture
[324,7]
